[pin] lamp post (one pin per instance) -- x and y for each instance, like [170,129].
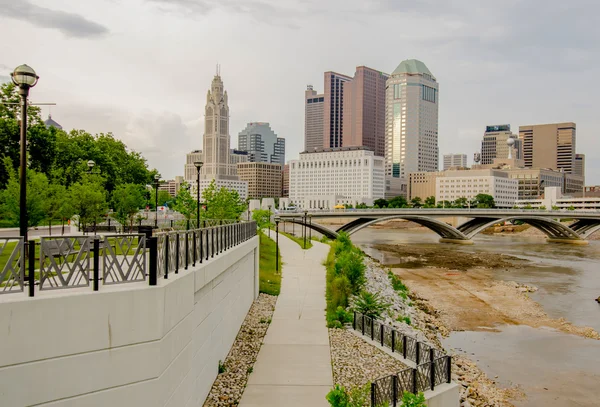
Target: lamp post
[309,229]
[269,206]
[305,212]
[91,165]
[23,77]
[156,179]
[198,165]
[277,243]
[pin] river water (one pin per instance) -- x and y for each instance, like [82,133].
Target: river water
[553,368]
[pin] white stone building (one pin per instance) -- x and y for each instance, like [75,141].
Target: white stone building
[469,183]
[454,160]
[328,177]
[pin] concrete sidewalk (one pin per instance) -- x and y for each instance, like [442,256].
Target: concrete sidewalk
[293,367]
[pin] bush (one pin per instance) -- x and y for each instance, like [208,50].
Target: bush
[341,289]
[350,264]
[370,305]
[357,397]
[412,400]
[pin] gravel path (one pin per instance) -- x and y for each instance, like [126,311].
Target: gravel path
[229,386]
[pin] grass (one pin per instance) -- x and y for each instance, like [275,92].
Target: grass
[269,279]
[298,240]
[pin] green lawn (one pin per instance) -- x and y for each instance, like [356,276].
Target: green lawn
[298,240]
[270,280]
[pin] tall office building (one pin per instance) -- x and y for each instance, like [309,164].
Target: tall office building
[333,109]
[262,144]
[264,179]
[579,166]
[285,181]
[363,121]
[411,123]
[494,144]
[549,146]
[454,160]
[313,119]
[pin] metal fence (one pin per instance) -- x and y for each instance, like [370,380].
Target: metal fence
[77,261]
[433,366]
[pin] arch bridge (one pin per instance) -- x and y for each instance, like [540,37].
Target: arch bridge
[585,222]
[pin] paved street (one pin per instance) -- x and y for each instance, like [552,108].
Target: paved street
[293,367]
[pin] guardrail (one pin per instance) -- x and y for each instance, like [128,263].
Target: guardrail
[63,262]
[433,366]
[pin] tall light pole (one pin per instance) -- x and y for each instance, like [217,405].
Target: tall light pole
[276,243]
[198,165]
[156,179]
[91,164]
[269,206]
[24,77]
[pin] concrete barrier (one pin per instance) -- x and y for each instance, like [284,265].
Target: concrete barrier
[127,344]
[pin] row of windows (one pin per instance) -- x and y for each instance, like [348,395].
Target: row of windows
[429,94]
[315,100]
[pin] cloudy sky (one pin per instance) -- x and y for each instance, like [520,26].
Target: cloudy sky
[141,68]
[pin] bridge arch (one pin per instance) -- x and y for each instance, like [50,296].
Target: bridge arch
[443,229]
[550,227]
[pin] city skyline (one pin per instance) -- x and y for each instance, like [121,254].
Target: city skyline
[89,74]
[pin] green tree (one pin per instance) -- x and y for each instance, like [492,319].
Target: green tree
[430,202]
[262,217]
[57,204]
[127,199]
[380,203]
[484,201]
[398,202]
[185,203]
[460,202]
[88,200]
[444,204]
[416,202]
[222,203]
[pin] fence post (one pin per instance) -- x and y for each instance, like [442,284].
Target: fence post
[171,223]
[449,369]
[382,333]
[221,241]
[393,340]
[166,256]
[432,371]
[31,276]
[363,324]
[212,252]
[404,345]
[177,253]
[153,269]
[373,385]
[372,328]
[394,389]
[194,247]
[200,242]
[354,321]
[415,386]
[96,250]
[418,352]
[207,243]
[187,249]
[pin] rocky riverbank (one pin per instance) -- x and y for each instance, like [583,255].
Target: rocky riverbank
[229,385]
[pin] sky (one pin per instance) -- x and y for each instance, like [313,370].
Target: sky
[141,68]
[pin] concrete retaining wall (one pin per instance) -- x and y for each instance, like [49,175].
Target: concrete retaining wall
[127,344]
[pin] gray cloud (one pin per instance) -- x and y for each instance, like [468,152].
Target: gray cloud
[70,24]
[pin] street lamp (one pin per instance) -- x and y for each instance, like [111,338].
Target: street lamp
[198,165]
[305,212]
[269,206]
[276,243]
[156,180]
[23,77]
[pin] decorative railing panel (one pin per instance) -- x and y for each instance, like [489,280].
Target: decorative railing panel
[123,258]
[424,376]
[442,370]
[172,251]
[377,326]
[411,348]
[405,381]
[424,352]
[383,391]
[12,264]
[64,262]
[161,249]
[387,336]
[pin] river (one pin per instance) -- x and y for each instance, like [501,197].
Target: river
[552,368]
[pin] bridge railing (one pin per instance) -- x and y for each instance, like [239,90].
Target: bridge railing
[63,262]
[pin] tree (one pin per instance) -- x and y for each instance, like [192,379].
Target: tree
[444,204]
[430,202]
[57,204]
[380,203]
[222,203]
[361,205]
[460,202]
[37,186]
[398,202]
[416,202]
[262,217]
[127,199]
[484,201]
[88,199]
[185,203]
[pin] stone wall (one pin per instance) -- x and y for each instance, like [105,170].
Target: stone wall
[127,344]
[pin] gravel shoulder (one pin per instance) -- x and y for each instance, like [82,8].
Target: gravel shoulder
[229,386]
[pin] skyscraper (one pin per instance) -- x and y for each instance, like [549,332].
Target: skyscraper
[313,119]
[216,131]
[364,110]
[579,167]
[262,144]
[411,143]
[549,146]
[333,109]
[494,143]
[454,160]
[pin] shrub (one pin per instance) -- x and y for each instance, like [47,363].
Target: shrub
[370,305]
[341,289]
[350,264]
[397,284]
[405,319]
[337,397]
[412,400]
[357,397]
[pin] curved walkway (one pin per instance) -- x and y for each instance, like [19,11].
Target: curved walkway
[293,367]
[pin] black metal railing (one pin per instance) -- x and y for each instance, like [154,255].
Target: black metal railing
[433,366]
[60,262]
